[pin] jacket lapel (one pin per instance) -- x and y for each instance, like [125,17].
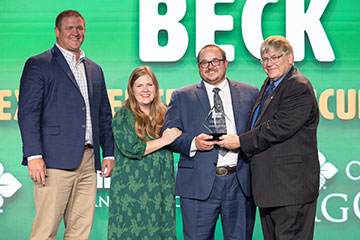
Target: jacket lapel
[64,65]
[266,103]
[203,97]
[258,100]
[235,99]
[89,75]
[273,94]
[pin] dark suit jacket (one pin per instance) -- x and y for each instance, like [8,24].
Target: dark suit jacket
[282,145]
[52,114]
[187,110]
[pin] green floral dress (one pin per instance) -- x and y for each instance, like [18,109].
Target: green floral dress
[142,201]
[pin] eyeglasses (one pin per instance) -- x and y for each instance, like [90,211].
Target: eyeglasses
[273,59]
[215,62]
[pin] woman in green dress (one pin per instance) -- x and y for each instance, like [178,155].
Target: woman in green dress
[142,201]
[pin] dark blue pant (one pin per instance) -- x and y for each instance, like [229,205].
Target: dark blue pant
[227,199]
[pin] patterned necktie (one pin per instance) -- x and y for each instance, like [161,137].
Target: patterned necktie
[220,121]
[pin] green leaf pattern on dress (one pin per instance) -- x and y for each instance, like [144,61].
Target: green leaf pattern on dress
[142,201]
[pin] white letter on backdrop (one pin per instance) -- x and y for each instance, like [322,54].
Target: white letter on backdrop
[344,210]
[297,22]
[150,23]
[251,25]
[207,23]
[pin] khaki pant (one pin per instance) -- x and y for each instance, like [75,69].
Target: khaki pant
[68,194]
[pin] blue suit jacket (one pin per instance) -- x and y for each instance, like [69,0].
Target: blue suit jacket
[52,114]
[187,110]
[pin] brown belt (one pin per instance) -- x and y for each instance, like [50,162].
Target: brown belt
[88,146]
[223,171]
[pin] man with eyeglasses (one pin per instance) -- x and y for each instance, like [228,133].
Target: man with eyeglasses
[281,146]
[212,181]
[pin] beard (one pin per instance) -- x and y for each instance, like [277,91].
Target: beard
[215,78]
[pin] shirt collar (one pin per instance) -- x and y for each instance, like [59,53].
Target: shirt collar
[276,83]
[69,56]
[222,85]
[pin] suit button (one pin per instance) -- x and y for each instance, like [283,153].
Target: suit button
[83,126]
[83,108]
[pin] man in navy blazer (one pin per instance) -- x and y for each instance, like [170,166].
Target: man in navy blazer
[282,147]
[212,181]
[64,116]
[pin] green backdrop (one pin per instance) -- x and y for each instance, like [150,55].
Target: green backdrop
[113,41]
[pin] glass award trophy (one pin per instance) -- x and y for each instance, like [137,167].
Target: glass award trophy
[215,122]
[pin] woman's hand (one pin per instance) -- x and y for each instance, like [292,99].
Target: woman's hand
[170,134]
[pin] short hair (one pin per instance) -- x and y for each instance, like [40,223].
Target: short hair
[277,43]
[211,46]
[67,13]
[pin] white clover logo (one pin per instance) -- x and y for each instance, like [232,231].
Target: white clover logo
[8,185]
[327,170]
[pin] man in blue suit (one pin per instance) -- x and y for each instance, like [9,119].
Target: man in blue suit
[64,116]
[212,181]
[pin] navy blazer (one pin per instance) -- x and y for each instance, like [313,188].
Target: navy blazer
[187,110]
[282,146]
[52,114]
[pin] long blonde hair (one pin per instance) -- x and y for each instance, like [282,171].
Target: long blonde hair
[143,125]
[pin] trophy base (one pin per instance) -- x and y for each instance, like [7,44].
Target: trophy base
[216,136]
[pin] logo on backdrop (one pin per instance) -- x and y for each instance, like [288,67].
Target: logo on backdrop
[327,170]
[337,207]
[8,186]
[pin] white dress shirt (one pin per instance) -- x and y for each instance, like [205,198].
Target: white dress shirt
[230,159]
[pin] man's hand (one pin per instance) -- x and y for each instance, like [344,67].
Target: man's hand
[230,141]
[201,143]
[37,170]
[108,166]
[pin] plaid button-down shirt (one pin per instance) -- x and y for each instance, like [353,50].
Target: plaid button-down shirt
[78,70]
